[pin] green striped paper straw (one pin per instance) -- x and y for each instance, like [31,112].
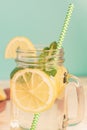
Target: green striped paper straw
[61,39]
[35,121]
[65,25]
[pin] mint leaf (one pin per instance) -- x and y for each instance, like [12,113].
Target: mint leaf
[51,72]
[14,71]
[53,45]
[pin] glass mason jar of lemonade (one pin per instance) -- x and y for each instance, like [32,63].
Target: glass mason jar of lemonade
[40,91]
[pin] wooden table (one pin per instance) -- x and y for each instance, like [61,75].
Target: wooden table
[5,115]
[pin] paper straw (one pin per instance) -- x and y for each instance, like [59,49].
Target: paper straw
[35,121]
[61,39]
[65,25]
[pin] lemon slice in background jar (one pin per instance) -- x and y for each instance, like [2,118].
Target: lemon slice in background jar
[60,80]
[32,90]
[22,43]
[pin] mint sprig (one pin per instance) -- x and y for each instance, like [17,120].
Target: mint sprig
[47,59]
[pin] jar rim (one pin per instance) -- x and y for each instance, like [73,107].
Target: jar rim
[35,50]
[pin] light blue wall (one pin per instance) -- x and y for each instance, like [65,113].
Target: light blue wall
[41,21]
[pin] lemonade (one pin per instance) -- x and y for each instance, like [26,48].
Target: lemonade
[34,90]
[37,84]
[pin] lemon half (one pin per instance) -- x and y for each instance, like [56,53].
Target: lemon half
[59,80]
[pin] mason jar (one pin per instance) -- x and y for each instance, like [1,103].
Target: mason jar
[43,91]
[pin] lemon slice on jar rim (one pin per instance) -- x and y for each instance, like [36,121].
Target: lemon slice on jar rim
[22,43]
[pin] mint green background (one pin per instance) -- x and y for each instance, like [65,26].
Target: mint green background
[41,21]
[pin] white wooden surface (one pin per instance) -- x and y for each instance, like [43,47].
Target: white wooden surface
[5,115]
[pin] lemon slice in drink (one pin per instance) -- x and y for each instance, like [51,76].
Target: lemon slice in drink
[18,42]
[60,81]
[32,90]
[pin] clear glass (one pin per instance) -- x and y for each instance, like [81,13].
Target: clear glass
[61,114]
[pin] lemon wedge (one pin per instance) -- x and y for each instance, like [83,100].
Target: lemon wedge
[2,95]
